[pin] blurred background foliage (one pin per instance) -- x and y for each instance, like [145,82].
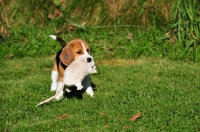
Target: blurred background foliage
[25,22]
[92,12]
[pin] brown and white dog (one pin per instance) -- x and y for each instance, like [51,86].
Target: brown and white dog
[74,75]
[75,49]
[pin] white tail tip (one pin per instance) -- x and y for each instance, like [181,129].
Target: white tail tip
[53,37]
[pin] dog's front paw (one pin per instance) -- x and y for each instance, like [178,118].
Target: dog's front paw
[58,97]
[90,91]
[53,87]
[60,94]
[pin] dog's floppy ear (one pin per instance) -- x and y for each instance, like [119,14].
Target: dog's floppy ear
[66,55]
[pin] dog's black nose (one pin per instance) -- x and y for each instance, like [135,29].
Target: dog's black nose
[89,59]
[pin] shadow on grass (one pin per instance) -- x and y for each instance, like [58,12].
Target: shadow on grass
[77,93]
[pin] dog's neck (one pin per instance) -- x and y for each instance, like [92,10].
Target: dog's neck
[63,65]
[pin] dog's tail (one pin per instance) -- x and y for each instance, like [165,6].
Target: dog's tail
[62,42]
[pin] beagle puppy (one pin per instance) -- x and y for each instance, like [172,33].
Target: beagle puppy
[73,76]
[74,50]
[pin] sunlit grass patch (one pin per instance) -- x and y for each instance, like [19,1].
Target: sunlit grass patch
[165,92]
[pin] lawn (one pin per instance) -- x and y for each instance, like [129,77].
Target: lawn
[166,92]
[147,55]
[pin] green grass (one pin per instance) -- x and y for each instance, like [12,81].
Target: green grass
[126,42]
[104,43]
[166,92]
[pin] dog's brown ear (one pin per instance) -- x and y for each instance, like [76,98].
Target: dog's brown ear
[66,55]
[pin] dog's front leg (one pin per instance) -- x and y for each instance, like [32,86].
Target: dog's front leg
[87,86]
[54,78]
[60,83]
[60,86]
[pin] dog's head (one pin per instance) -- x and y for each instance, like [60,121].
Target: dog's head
[75,49]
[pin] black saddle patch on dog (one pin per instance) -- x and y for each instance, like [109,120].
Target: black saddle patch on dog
[58,57]
[59,61]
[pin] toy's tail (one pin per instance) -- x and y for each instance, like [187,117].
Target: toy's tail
[62,42]
[46,101]
[49,99]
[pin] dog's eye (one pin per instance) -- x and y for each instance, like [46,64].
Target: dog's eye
[79,52]
[88,50]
